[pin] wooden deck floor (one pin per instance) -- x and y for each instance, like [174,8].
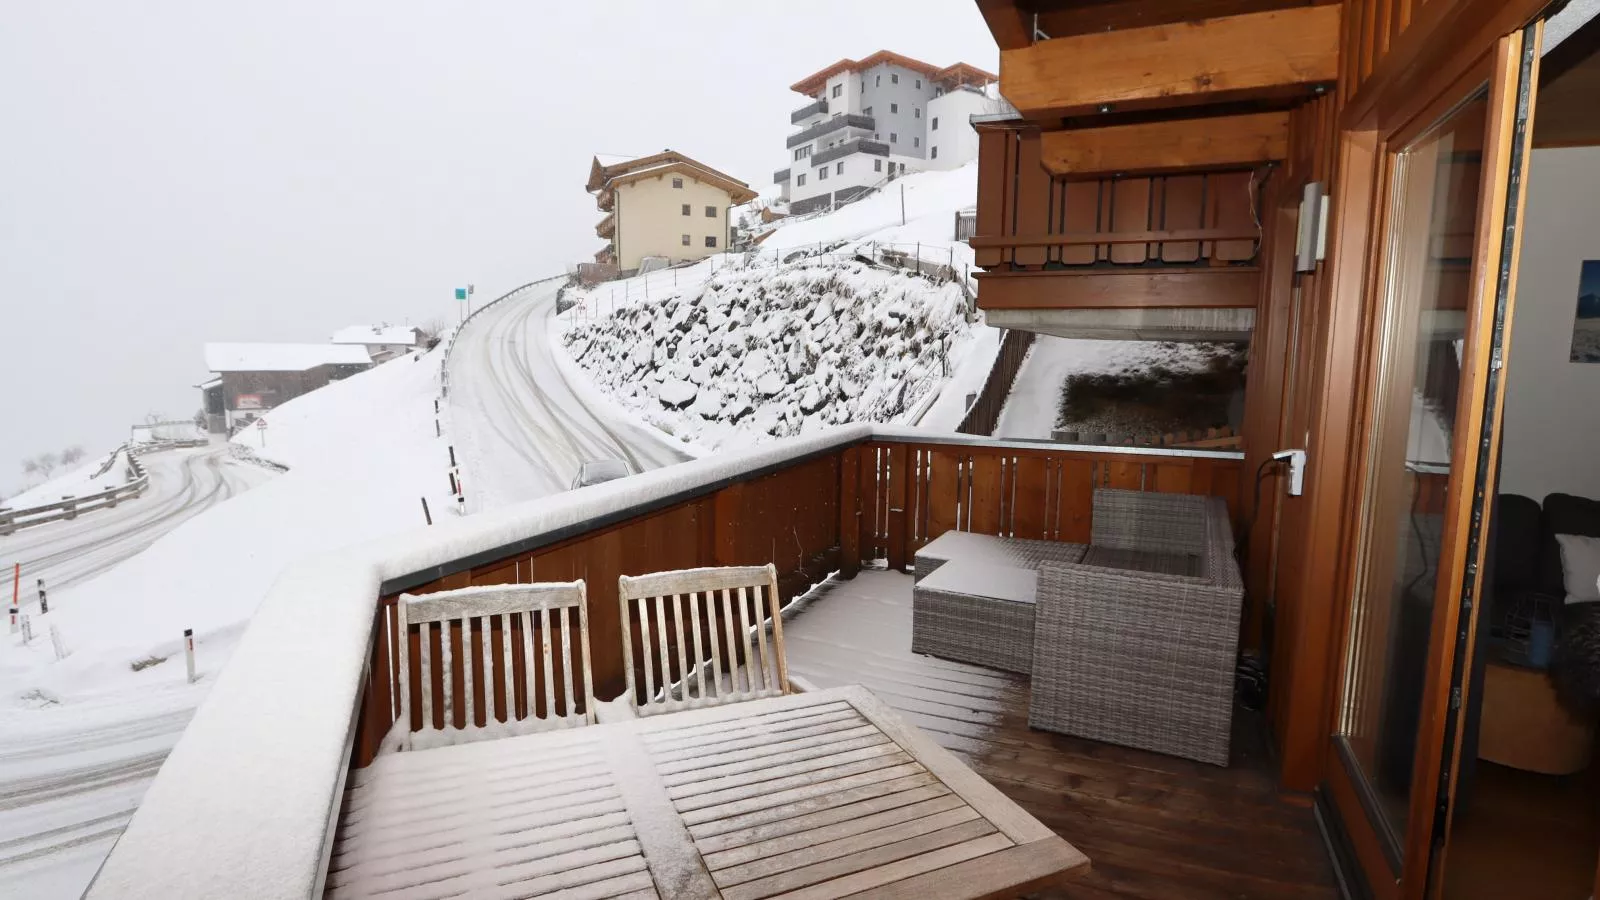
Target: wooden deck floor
[1152,826]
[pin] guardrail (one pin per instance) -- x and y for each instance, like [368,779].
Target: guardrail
[13,520]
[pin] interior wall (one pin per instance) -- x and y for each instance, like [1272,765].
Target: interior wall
[1552,414]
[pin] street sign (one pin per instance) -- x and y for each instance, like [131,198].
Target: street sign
[469,290]
[261,423]
[461,293]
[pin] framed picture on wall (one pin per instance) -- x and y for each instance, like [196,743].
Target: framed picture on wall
[1586,328]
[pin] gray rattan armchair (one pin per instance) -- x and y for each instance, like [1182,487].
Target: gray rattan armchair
[1135,645]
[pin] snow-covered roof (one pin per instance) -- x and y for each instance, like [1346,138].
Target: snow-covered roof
[282,357]
[375,334]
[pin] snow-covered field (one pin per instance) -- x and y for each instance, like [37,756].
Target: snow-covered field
[799,334]
[80,737]
[761,353]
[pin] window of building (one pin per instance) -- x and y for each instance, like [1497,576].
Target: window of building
[916,112]
[677,182]
[838,89]
[877,81]
[839,169]
[894,138]
[867,111]
[934,154]
[799,181]
[935,124]
[938,92]
[877,165]
[803,152]
[919,84]
[711,212]
[711,240]
[686,209]
[686,240]
[894,78]
[894,107]
[822,174]
[916,142]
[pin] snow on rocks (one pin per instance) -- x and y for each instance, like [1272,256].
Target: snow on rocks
[760,353]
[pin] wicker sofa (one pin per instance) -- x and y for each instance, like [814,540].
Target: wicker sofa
[1134,636]
[1136,645]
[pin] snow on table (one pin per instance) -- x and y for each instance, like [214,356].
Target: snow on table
[824,794]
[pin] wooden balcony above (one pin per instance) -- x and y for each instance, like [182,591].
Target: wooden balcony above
[1256,55]
[1135,256]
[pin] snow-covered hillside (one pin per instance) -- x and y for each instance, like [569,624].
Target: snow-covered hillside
[83,479]
[814,327]
[758,353]
[80,737]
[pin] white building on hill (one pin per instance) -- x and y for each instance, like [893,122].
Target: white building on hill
[383,342]
[876,118]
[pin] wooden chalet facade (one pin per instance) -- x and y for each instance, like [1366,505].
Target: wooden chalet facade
[1151,186]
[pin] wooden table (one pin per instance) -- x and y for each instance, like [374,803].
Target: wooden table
[823,794]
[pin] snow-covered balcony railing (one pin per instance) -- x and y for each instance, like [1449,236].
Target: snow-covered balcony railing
[246,804]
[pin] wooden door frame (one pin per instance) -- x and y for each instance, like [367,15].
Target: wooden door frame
[1472,453]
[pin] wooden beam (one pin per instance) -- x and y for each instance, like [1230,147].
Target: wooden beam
[1221,287]
[1077,18]
[1174,145]
[1078,238]
[1012,28]
[1258,55]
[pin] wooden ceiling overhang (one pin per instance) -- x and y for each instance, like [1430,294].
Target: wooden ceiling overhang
[1125,87]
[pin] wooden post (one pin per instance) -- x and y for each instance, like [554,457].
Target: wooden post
[899,479]
[850,512]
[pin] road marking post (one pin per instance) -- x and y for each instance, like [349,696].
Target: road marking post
[15,625]
[55,641]
[44,601]
[188,652]
[27,630]
[425,514]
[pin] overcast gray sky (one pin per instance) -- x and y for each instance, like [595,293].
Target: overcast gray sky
[173,173]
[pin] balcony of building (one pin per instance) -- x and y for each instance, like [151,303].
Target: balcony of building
[829,126]
[816,107]
[780,177]
[859,145]
[1127,198]
[606,227]
[841,515]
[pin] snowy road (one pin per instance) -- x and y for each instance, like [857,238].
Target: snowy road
[522,418]
[70,776]
[183,484]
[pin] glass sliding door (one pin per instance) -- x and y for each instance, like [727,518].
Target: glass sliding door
[1441,276]
[1433,201]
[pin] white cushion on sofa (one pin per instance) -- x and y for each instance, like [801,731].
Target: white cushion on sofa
[1580,567]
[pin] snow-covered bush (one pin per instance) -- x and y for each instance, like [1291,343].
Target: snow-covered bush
[762,353]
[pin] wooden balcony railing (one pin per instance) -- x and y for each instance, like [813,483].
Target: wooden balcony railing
[1177,240]
[309,691]
[878,499]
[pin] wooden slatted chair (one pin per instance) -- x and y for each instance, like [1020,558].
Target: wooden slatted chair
[703,636]
[519,657]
